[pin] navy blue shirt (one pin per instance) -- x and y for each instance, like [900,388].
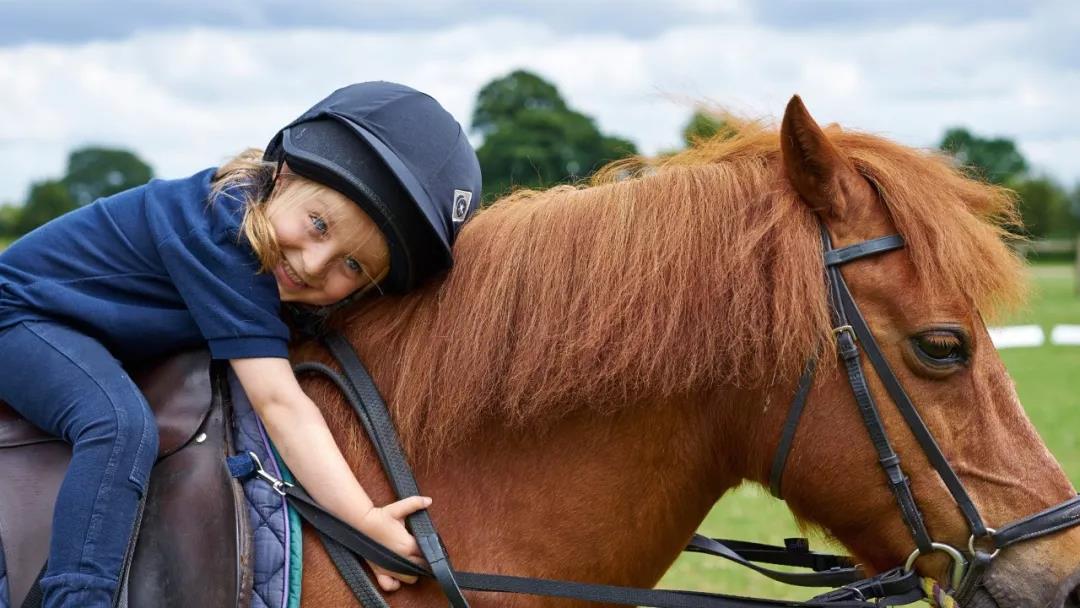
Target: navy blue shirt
[148,271]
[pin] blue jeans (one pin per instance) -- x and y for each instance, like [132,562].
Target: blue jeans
[69,385]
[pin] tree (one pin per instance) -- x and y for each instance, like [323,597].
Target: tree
[504,97]
[995,160]
[9,218]
[1044,206]
[94,172]
[533,139]
[48,199]
[705,125]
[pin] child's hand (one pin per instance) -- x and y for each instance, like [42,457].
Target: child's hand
[387,525]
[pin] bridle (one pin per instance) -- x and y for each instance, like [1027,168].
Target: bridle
[854,589]
[851,330]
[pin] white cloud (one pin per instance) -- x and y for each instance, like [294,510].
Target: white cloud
[185,99]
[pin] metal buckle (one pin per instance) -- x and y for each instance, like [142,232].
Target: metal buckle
[990,532]
[959,563]
[860,596]
[837,331]
[274,482]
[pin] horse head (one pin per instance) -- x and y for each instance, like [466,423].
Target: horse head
[922,303]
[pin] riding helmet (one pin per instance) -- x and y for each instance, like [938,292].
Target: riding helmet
[399,155]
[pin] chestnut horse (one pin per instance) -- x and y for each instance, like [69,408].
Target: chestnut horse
[605,362]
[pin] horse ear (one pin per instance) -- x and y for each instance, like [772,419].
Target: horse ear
[823,176]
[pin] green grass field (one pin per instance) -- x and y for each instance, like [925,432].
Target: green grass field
[1048,383]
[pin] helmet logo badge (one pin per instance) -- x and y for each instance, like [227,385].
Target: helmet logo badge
[462,199]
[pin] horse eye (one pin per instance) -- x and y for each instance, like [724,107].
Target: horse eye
[941,347]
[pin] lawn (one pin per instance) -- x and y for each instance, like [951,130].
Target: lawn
[1046,378]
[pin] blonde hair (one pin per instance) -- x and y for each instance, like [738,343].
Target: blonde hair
[248,176]
[260,184]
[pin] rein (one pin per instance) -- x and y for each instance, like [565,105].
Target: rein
[853,589]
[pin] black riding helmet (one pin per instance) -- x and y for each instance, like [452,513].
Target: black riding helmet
[399,155]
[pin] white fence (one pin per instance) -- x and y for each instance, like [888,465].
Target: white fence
[1019,336]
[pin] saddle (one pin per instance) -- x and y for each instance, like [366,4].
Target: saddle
[193,546]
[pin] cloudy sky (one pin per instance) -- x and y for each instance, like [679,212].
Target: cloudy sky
[187,83]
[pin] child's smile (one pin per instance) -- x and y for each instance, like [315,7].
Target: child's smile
[329,248]
[287,275]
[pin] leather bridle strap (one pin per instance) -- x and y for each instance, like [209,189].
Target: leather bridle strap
[910,414]
[851,329]
[848,351]
[1048,521]
[849,354]
[843,255]
[791,425]
[833,257]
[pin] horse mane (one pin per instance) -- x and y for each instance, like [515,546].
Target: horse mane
[692,272]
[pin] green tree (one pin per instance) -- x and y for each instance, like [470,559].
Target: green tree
[9,217]
[94,172]
[533,139]
[48,199]
[1044,206]
[996,160]
[503,98]
[705,125]
[1074,213]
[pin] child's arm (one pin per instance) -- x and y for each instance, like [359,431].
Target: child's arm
[300,434]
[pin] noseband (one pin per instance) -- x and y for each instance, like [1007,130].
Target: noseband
[850,330]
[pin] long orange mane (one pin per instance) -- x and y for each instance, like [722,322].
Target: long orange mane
[695,272]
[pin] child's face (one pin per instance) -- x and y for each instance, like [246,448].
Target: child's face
[329,247]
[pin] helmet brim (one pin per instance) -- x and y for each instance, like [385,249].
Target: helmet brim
[360,172]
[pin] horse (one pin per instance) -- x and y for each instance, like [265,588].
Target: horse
[606,360]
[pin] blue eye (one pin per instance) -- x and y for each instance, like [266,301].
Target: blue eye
[319,223]
[353,265]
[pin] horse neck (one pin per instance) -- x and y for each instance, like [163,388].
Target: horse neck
[620,493]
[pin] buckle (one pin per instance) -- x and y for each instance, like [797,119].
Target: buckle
[845,329]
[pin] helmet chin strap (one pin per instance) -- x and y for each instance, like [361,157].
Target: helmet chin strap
[311,320]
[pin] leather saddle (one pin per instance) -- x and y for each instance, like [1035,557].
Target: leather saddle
[193,545]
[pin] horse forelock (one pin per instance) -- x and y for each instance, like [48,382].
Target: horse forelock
[699,271]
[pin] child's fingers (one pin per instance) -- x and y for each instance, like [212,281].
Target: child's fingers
[401,578]
[407,506]
[387,583]
[418,559]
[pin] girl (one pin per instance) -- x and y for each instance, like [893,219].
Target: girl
[366,190]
